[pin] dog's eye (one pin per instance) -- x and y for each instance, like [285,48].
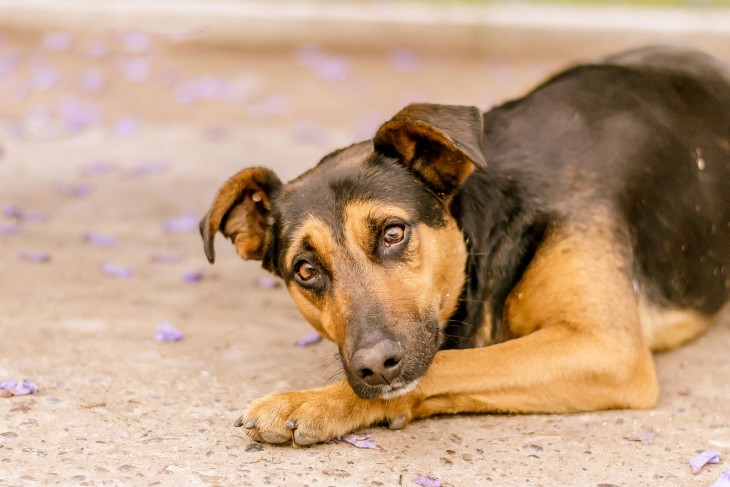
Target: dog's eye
[306,271]
[394,234]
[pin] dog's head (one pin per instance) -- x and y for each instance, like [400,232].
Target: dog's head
[365,241]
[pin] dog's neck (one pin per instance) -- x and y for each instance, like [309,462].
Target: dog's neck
[501,228]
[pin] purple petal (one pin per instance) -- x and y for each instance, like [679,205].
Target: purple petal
[646,437]
[136,40]
[126,127]
[117,271]
[307,131]
[166,257]
[360,441]
[136,69]
[78,114]
[699,461]
[273,105]
[100,240]
[93,79]
[194,276]
[75,190]
[96,168]
[34,256]
[16,130]
[723,481]
[185,223]
[12,210]
[145,168]
[267,282]
[168,333]
[403,60]
[217,132]
[26,387]
[57,41]
[43,78]
[98,50]
[333,69]
[427,481]
[34,216]
[309,339]
[11,228]
[8,384]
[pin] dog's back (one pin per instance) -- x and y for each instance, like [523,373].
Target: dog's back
[643,141]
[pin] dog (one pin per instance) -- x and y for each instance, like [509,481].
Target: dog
[524,260]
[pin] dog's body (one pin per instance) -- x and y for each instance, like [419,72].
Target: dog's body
[595,229]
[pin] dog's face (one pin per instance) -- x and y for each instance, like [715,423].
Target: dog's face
[365,241]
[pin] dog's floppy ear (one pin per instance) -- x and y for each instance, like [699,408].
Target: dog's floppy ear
[241,211]
[440,143]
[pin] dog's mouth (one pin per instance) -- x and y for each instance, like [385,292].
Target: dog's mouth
[384,391]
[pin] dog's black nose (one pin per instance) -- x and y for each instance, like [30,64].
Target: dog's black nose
[379,363]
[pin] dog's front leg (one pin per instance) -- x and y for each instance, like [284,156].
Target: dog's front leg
[578,345]
[319,415]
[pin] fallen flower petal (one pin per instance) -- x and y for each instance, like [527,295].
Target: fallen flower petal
[309,339]
[136,40]
[427,481]
[723,481]
[168,333]
[145,168]
[166,257]
[117,271]
[194,276]
[646,437]
[75,190]
[93,79]
[699,461]
[26,387]
[57,41]
[126,127]
[9,228]
[100,240]
[267,282]
[360,441]
[185,223]
[12,210]
[403,60]
[34,256]
[96,168]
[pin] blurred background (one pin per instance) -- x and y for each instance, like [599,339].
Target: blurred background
[118,122]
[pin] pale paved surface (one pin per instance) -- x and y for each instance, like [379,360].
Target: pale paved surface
[115,407]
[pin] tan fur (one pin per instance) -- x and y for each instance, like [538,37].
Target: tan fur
[664,329]
[578,347]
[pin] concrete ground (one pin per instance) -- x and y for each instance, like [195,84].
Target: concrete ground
[115,134]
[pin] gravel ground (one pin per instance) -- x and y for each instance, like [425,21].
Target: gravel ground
[126,136]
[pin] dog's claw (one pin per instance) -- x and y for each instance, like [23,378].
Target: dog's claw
[397,423]
[239,422]
[249,424]
[270,437]
[291,424]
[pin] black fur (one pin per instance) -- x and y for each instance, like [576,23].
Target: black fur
[645,137]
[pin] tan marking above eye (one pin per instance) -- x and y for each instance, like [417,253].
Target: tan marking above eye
[319,236]
[358,218]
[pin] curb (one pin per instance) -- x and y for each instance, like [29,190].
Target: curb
[514,30]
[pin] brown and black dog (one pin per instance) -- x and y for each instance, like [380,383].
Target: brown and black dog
[528,259]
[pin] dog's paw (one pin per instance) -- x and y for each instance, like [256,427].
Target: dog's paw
[317,416]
